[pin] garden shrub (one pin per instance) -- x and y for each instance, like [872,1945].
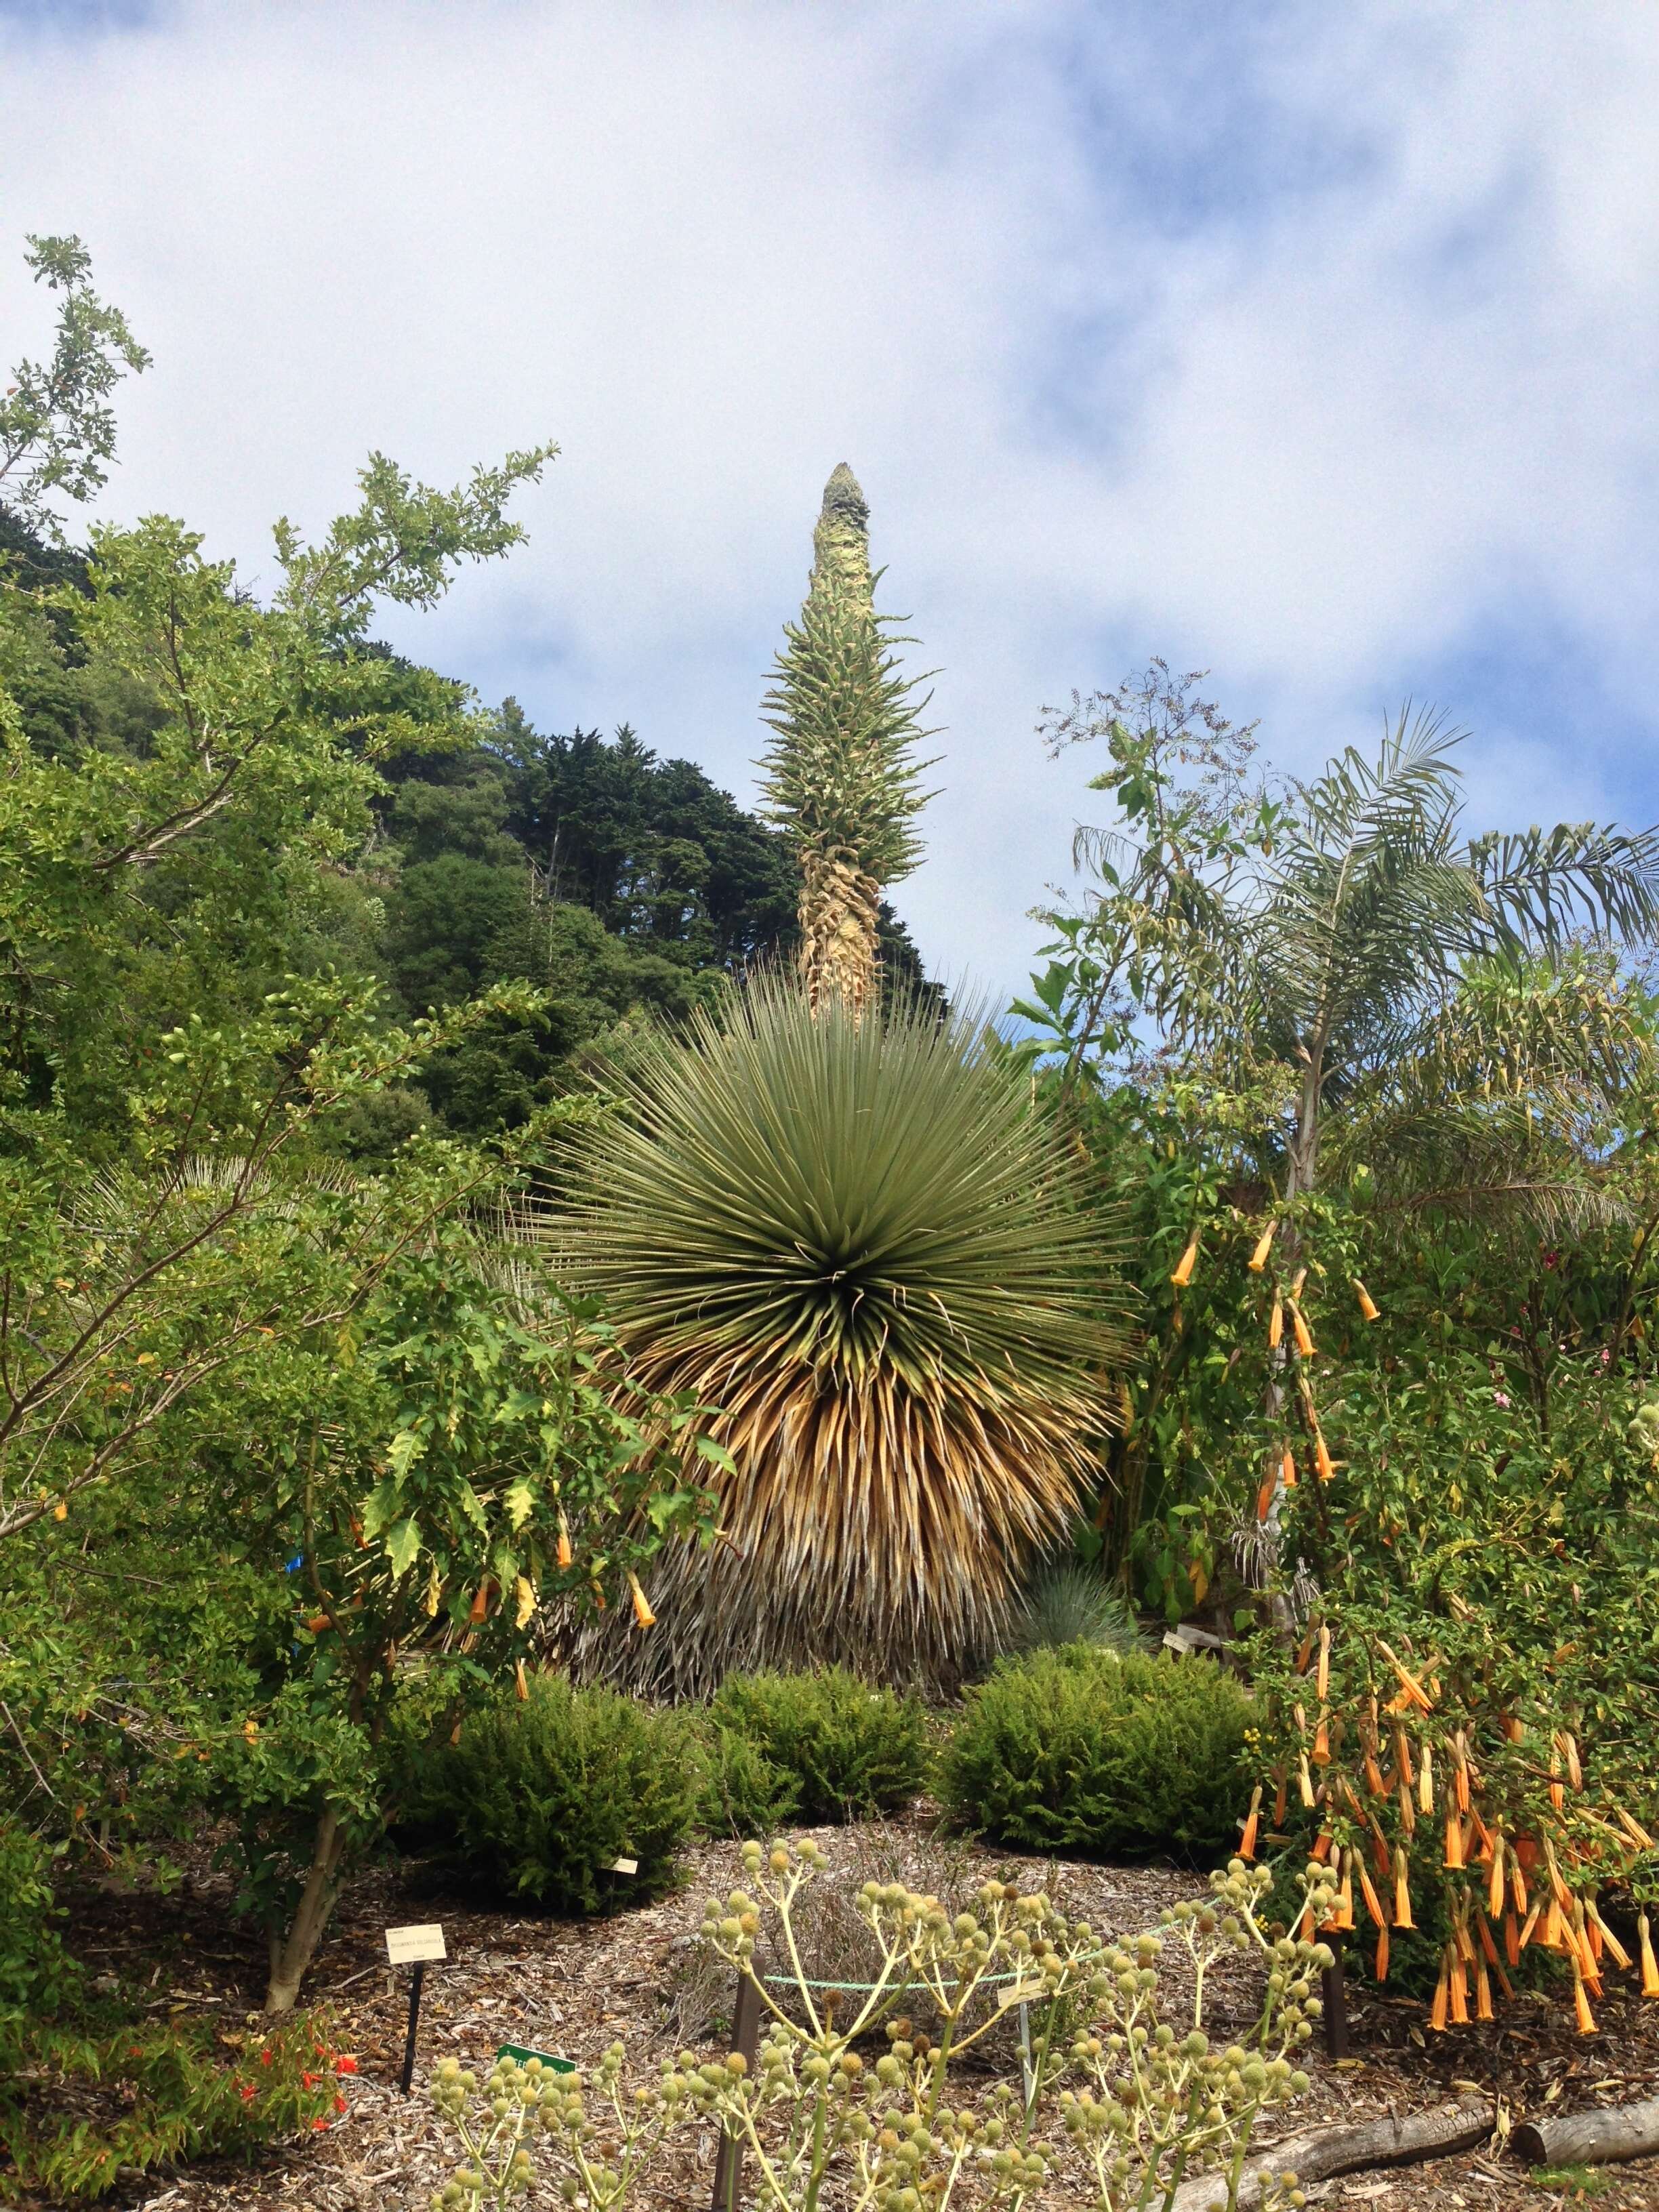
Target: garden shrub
[1080,1749]
[848,1750]
[542,1796]
[745,1793]
[95,2097]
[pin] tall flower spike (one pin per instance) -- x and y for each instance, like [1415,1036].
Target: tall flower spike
[841,775]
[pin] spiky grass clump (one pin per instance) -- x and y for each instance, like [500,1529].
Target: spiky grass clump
[859,1242]
[1074,1604]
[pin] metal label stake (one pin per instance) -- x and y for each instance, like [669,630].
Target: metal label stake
[414,1947]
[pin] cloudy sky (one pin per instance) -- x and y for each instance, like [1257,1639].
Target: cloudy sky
[1310,345]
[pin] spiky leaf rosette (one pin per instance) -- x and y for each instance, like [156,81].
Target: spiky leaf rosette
[859,1241]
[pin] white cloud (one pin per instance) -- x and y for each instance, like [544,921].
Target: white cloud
[1317,349]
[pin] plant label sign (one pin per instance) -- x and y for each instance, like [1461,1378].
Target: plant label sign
[624,1866]
[519,2052]
[414,1946]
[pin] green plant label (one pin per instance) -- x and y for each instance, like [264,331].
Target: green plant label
[517,2050]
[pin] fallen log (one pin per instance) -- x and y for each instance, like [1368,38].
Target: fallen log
[1320,2152]
[1592,2138]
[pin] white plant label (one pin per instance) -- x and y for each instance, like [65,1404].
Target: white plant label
[410,1946]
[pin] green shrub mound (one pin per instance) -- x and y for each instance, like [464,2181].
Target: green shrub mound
[541,1797]
[1082,1750]
[839,1748]
[745,1793]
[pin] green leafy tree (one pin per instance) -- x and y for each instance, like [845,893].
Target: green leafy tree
[56,427]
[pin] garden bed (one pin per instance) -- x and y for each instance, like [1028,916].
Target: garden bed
[575,1987]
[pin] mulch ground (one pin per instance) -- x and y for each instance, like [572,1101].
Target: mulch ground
[575,1988]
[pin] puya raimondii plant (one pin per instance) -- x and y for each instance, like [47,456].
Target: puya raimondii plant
[820,2121]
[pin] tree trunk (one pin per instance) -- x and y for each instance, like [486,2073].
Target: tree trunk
[1593,2138]
[292,1953]
[1323,2151]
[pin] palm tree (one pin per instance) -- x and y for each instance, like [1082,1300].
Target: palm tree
[1411,993]
[841,775]
[858,1239]
[1359,946]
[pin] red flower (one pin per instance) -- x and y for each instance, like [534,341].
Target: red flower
[308,2080]
[339,2104]
[318,2127]
[346,2065]
[265,2058]
[249,2093]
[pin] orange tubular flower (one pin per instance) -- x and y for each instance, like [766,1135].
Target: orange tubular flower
[521,1685]
[1287,1468]
[1304,1343]
[1322,1678]
[1279,1795]
[1383,1956]
[1373,1902]
[1366,1307]
[1511,1938]
[1322,1460]
[1183,1266]
[1276,1325]
[1460,1993]
[643,1611]
[1581,2006]
[1402,1894]
[1495,1887]
[1438,2011]
[1247,1841]
[1258,1259]
[1650,1964]
[1264,1496]
[1454,1842]
[1321,1749]
[1482,1991]
[566,1556]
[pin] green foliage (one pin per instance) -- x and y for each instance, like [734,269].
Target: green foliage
[1074,1604]
[116,2094]
[745,1792]
[1079,1750]
[542,1796]
[845,1749]
[56,428]
[841,775]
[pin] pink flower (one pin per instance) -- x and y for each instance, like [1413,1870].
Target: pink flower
[1501,1398]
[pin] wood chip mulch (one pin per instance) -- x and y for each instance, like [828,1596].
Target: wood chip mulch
[575,1987]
